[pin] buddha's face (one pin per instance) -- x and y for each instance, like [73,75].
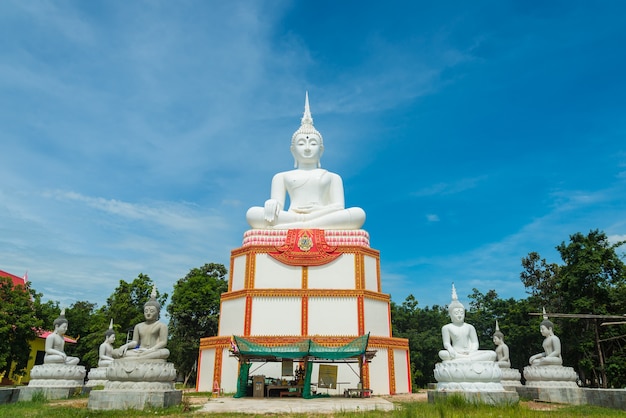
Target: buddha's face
[111,339]
[150,313]
[307,148]
[62,329]
[545,331]
[497,340]
[457,315]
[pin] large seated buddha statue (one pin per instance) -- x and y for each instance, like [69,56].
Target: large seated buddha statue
[149,337]
[460,341]
[465,367]
[316,195]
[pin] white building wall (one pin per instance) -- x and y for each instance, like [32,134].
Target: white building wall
[371,274]
[232,317]
[333,316]
[239,272]
[338,274]
[205,369]
[271,274]
[376,314]
[276,316]
[379,372]
[401,368]
[230,372]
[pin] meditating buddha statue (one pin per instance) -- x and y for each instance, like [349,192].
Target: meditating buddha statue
[150,336]
[316,195]
[459,338]
[106,352]
[55,344]
[502,350]
[551,355]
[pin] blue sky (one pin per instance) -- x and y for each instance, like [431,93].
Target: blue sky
[135,135]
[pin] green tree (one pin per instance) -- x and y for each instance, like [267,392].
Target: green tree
[87,324]
[194,314]
[591,281]
[18,324]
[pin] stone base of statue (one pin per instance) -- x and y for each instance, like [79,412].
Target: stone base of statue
[477,381]
[54,381]
[137,384]
[550,376]
[97,377]
[511,378]
[555,384]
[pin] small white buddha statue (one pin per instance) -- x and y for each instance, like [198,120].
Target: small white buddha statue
[551,355]
[316,195]
[460,341]
[502,350]
[55,344]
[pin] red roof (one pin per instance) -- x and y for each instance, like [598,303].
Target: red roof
[44,334]
[16,280]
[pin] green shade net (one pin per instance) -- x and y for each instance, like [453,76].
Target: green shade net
[354,348]
[292,351]
[304,349]
[242,381]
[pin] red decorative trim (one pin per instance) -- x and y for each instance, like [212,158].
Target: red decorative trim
[361,314]
[230,276]
[248,318]
[217,368]
[408,375]
[250,270]
[343,293]
[359,270]
[380,286]
[392,371]
[305,247]
[304,329]
[305,277]
[365,374]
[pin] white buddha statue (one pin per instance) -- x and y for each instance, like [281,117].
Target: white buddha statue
[55,343]
[149,337]
[551,355]
[316,195]
[460,341]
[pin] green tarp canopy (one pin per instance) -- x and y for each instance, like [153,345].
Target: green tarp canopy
[305,350]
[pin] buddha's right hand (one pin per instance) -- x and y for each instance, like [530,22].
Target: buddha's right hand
[271,210]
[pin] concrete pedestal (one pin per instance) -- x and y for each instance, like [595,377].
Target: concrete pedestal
[124,399]
[486,397]
[553,394]
[49,392]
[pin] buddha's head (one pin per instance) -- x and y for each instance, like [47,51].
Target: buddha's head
[307,144]
[546,327]
[61,322]
[152,308]
[456,308]
[109,335]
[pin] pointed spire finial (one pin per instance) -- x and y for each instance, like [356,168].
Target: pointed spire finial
[497,326]
[111,324]
[307,119]
[545,315]
[454,295]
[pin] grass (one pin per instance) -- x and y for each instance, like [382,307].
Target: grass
[449,408]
